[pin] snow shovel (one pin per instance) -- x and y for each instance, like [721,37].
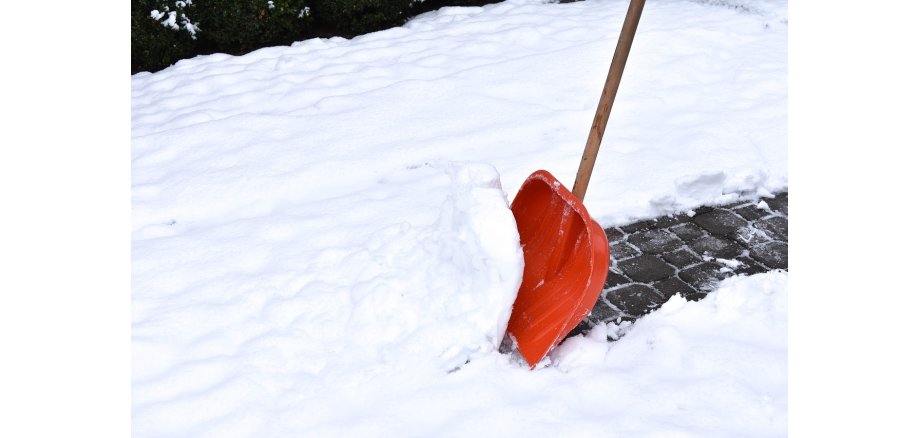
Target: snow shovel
[566,253]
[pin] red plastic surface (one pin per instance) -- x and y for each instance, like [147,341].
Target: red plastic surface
[566,258]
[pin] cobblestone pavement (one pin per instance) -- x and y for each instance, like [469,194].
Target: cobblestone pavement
[682,254]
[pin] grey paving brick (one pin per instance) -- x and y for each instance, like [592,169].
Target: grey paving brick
[695,295]
[583,327]
[688,231]
[750,236]
[602,312]
[638,226]
[622,250]
[720,222]
[733,205]
[702,210]
[614,279]
[655,241]
[774,255]
[681,258]
[749,266]
[645,268]
[635,299]
[779,203]
[777,227]
[672,286]
[614,234]
[751,212]
[671,220]
[704,276]
[716,247]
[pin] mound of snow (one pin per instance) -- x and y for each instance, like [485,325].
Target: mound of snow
[442,291]
[716,367]
[412,276]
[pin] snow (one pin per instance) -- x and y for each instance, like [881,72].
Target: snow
[322,245]
[174,18]
[733,264]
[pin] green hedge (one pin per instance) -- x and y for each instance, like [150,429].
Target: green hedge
[237,26]
[352,17]
[165,31]
[155,46]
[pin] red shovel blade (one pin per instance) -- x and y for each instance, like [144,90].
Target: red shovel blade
[566,257]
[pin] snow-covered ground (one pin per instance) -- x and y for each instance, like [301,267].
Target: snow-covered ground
[321,243]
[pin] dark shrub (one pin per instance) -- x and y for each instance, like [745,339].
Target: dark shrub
[240,26]
[355,17]
[181,29]
[155,46]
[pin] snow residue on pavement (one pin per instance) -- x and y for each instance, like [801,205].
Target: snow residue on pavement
[322,245]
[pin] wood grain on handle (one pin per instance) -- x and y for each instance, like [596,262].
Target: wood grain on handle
[607,96]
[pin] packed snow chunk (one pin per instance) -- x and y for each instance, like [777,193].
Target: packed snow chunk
[704,186]
[581,350]
[737,332]
[479,264]
[444,292]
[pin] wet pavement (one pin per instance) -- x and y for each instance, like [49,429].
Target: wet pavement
[688,254]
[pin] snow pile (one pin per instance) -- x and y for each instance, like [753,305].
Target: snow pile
[417,298]
[717,367]
[442,291]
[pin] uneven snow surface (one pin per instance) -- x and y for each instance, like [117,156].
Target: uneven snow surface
[322,245]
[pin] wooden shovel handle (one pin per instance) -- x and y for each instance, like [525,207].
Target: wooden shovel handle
[606,103]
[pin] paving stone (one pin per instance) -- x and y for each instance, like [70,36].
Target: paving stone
[622,250]
[714,246]
[671,220]
[702,210]
[602,312]
[695,295]
[638,226]
[779,203]
[736,204]
[703,276]
[673,286]
[720,222]
[614,234]
[655,241]
[750,236]
[749,267]
[635,299]
[583,327]
[751,212]
[646,268]
[688,231]
[681,258]
[774,255]
[777,227]
[614,279]
[655,259]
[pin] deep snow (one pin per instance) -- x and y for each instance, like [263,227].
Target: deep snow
[321,239]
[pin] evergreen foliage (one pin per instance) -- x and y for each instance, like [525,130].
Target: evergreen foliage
[153,45]
[165,31]
[355,17]
[240,26]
